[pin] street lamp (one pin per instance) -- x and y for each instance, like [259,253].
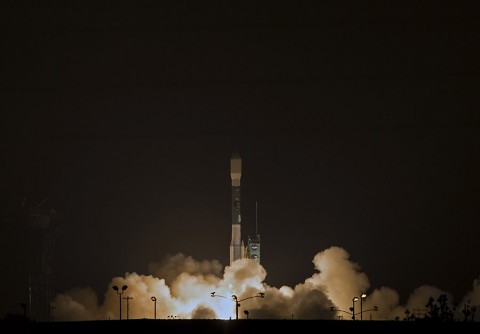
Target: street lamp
[355,299]
[120,292]
[212,294]
[128,299]
[362,297]
[237,301]
[154,300]
[352,313]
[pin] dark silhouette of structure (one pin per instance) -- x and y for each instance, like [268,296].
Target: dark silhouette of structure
[41,234]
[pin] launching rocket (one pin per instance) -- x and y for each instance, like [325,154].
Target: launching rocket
[236,245]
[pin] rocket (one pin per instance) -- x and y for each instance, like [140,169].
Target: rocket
[236,245]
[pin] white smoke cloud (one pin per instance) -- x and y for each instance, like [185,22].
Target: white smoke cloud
[174,265]
[420,296]
[386,300]
[77,304]
[182,287]
[472,299]
[339,276]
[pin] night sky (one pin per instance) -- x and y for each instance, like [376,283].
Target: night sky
[357,124]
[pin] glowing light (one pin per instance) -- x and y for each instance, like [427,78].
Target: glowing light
[189,286]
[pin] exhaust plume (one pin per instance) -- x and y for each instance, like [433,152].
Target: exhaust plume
[183,289]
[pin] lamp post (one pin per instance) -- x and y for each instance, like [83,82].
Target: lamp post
[128,299]
[119,293]
[352,313]
[375,308]
[355,299]
[333,309]
[237,301]
[154,300]
[237,304]
[362,297]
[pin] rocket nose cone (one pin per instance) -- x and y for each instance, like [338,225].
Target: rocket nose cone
[235,166]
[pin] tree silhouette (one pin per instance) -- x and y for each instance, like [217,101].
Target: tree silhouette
[409,316]
[439,310]
[468,312]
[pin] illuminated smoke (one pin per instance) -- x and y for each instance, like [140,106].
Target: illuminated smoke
[174,265]
[77,304]
[183,287]
[472,298]
[339,276]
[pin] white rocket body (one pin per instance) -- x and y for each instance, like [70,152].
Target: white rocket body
[236,245]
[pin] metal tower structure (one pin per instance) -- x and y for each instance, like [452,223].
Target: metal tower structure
[41,237]
[253,244]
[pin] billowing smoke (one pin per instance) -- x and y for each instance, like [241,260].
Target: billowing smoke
[182,287]
[174,265]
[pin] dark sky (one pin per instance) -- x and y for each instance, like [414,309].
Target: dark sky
[358,126]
